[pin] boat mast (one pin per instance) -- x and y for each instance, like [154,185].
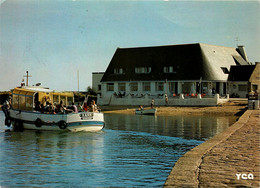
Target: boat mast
[27,76]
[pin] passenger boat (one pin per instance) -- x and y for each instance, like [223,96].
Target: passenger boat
[23,114]
[150,111]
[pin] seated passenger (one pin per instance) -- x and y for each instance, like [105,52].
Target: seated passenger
[48,107]
[38,106]
[140,107]
[85,106]
[80,109]
[61,108]
[74,108]
[94,106]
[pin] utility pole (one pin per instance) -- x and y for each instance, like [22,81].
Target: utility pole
[78,83]
[27,76]
[78,79]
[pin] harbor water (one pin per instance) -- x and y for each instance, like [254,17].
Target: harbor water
[131,151]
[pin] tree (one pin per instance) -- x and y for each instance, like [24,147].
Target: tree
[90,91]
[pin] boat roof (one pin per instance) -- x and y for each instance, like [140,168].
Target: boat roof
[35,89]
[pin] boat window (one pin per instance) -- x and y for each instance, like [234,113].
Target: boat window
[70,100]
[63,99]
[29,103]
[15,101]
[22,102]
[56,99]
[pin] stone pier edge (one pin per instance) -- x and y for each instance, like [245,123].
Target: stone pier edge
[186,170]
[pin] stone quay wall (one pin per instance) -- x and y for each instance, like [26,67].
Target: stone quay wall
[230,159]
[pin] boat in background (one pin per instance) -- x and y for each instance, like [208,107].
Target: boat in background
[150,111]
[23,113]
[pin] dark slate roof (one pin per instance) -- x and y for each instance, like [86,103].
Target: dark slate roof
[189,61]
[241,73]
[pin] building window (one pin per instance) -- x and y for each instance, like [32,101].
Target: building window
[242,87]
[99,87]
[119,71]
[143,70]
[146,86]
[168,69]
[159,86]
[134,86]
[121,87]
[110,86]
[172,87]
[255,87]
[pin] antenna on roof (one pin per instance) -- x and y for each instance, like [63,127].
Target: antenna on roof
[27,76]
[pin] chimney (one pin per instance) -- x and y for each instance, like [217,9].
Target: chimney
[241,50]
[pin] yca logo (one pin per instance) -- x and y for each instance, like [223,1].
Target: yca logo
[245,176]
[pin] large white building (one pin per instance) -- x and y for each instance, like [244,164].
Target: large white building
[139,74]
[96,82]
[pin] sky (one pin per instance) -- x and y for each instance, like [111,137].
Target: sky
[55,39]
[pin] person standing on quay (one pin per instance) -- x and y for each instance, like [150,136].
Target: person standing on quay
[152,103]
[166,100]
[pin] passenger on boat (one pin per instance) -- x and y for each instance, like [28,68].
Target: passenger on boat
[37,106]
[94,106]
[80,109]
[85,106]
[7,105]
[61,107]
[53,108]
[75,109]
[48,107]
[141,107]
[44,100]
[42,108]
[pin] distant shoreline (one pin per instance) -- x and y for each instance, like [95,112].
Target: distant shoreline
[228,109]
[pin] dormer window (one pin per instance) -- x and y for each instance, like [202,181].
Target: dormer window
[168,69]
[143,70]
[119,71]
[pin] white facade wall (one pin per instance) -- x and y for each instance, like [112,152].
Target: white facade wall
[141,97]
[96,78]
[160,101]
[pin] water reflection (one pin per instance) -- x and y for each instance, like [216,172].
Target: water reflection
[68,146]
[188,127]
